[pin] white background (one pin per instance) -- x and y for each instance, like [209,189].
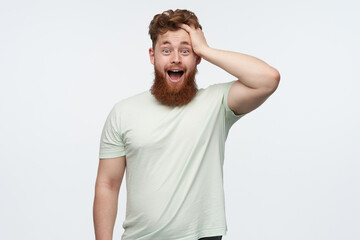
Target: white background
[291,167]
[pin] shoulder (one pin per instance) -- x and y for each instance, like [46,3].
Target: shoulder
[132,101]
[222,85]
[220,88]
[213,94]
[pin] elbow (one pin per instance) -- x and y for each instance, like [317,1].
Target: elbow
[276,76]
[274,80]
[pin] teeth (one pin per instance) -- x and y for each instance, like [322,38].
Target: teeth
[175,70]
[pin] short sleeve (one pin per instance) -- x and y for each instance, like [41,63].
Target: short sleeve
[230,116]
[111,142]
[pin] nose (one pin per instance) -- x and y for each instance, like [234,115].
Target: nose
[176,59]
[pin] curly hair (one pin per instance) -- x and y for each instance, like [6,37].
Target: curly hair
[168,20]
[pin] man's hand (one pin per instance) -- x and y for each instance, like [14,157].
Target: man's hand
[256,79]
[197,37]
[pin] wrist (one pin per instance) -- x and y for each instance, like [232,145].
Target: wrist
[201,52]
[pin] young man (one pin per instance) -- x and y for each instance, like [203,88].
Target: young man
[171,139]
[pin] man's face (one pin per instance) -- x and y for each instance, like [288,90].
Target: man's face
[175,68]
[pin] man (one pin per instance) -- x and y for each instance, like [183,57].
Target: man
[171,139]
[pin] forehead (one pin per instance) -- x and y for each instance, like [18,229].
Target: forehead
[174,38]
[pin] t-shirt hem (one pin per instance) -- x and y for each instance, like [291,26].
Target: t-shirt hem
[206,233]
[195,236]
[112,154]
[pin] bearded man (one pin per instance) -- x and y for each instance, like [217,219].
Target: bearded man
[171,139]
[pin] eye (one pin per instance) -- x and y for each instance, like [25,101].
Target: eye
[166,51]
[185,51]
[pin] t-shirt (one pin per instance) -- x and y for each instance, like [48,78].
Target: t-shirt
[174,163]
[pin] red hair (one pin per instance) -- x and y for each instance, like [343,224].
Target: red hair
[168,20]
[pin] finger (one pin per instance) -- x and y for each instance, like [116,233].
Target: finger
[185,27]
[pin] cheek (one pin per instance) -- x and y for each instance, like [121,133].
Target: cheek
[160,63]
[191,64]
[191,61]
[159,66]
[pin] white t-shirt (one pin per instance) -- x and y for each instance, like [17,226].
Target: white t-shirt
[174,163]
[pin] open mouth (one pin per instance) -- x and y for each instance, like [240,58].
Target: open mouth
[175,75]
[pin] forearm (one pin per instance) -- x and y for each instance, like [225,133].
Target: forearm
[250,71]
[105,211]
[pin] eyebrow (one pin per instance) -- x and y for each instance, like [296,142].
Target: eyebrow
[185,43]
[181,43]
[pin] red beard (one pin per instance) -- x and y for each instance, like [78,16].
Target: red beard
[173,96]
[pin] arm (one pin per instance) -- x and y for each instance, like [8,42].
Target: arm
[256,79]
[108,182]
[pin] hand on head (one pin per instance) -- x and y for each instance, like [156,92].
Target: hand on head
[197,37]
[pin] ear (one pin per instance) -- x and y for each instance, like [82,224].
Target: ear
[198,59]
[152,56]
